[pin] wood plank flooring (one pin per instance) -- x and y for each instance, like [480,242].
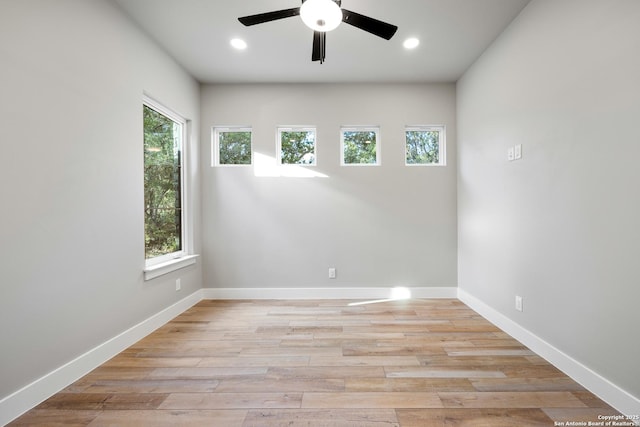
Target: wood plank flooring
[323,363]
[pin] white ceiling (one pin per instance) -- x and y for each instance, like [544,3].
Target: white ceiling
[452,33]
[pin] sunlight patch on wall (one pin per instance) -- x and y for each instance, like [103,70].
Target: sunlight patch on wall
[267,166]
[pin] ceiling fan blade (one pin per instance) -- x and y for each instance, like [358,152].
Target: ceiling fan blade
[319,44]
[370,25]
[269,16]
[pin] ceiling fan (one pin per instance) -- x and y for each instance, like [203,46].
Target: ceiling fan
[322,16]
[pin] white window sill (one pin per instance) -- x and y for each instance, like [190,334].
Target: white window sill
[153,271]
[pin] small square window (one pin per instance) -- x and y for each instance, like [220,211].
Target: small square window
[297,146]
[360,146]
[232,146]
[425,145]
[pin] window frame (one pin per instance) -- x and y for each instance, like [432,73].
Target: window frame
[165,263]
[215,144]
[281,129]
[375,129]
[442,146]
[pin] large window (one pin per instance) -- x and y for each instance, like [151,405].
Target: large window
[297,146]
[232,146]
[360,146]
[425,145]
[164,136]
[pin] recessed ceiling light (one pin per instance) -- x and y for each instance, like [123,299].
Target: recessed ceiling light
[411,43]
[238,44]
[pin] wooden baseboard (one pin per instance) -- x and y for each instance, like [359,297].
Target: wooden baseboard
[595,383]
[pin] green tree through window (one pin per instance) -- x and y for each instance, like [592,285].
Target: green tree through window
[360,147]
[298,147]
[162,184]
[234,147]
[423,146]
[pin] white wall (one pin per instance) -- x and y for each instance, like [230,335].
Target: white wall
[72,76]
[379,226]
[560,226]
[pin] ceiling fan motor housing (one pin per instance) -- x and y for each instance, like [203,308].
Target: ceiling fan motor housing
[338,2]
[321,15]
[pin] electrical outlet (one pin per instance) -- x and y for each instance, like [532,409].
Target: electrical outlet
[511,154]
[178,285]
[332,273]
[519,303]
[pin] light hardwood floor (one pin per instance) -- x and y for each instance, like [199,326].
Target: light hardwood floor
[323,363]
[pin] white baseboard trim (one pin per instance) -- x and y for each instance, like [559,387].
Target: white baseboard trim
[33,394]
[19,402]
[373,293]
[612,394]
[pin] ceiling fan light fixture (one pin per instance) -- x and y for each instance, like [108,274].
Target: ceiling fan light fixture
[321,15]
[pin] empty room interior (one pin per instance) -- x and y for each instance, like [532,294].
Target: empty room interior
[208,220]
